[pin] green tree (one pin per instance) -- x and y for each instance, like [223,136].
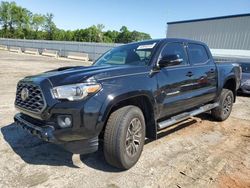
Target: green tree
[124,36]
[37,23]
[110,36]
[18,22]
[5,17]
[90,34]
[21,21]
[49,26]
[100,37]
[139,36]
[14,19]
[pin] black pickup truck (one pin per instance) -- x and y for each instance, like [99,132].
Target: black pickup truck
[127,95]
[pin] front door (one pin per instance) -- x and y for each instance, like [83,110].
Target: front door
[175,83]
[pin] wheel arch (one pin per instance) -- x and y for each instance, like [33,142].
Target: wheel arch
[230,83]
[142,100]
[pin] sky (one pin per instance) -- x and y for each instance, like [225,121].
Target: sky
[148,16]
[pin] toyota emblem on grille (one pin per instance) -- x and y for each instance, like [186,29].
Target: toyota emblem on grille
[24,94]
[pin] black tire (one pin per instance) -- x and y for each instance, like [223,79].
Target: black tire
[223,111]
[119,142]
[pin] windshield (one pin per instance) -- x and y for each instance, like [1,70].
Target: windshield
[131,54]
[245,67]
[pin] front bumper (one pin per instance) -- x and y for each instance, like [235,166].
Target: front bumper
[45,132]
[48,133]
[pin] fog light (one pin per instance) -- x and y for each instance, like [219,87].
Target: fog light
[64,121]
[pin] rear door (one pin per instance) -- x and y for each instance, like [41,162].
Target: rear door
[204,74]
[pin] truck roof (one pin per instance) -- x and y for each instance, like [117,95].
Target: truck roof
[173,40]
[183,40]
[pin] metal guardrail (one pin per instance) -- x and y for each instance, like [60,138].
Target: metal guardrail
[3,47]
[225,59]
[231,53]
[231,56]
[15,49]
[33,51]
[50,53]
[94,50]
[78,56]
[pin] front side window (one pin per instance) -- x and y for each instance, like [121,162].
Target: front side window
[197,54]
[132,54]
[175,49]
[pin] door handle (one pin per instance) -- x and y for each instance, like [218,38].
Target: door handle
[189,74]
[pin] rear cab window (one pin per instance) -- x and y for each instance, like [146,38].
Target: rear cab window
[197,54]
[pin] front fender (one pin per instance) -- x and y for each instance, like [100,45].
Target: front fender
[118,89]
[113,99]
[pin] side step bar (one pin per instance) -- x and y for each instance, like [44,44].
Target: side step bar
[178,118]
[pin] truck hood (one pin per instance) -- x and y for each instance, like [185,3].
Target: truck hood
[78,74]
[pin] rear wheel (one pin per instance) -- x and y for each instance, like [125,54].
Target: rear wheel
[124,137]
[223,111]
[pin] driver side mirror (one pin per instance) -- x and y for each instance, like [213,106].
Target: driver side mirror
[170,60]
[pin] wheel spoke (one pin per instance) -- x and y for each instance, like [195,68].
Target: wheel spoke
[133,137]
[134,148]
[127,138]
[129,148]
[135,124]
[128,134]
[137,130]
[137,139]
[227,105]
[129,131]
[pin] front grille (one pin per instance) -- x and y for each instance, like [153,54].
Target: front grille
[34,101]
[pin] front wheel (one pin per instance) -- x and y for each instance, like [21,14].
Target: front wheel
[124,137]
[223,111]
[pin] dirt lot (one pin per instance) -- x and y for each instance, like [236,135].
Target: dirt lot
[197,153]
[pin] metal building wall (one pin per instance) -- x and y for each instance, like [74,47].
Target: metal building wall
[226,33]
[94,50]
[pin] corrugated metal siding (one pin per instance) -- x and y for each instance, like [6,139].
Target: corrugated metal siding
[228,33]
[94,50]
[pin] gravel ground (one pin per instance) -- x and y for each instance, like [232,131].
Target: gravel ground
[197,153]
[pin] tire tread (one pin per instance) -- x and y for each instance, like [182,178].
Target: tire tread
[112,136]
[217,112]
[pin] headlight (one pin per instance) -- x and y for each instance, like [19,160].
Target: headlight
[75,92]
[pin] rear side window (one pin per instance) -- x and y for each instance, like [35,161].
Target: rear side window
[197,54]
